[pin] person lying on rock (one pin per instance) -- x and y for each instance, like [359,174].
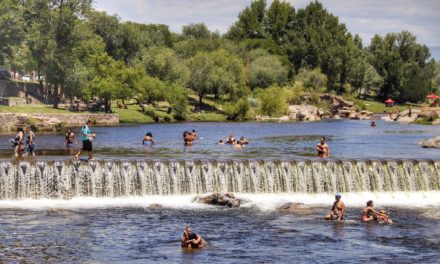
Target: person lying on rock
[191,240]
[338,209]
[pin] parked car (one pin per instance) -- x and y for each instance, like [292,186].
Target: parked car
[26,78]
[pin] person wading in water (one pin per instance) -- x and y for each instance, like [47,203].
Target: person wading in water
[87,137]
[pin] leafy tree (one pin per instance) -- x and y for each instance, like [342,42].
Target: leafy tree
[164,64]
[266,70]
[250,22]
[312,80]
[196,31]
[279,15]
[11,28]
[403,64]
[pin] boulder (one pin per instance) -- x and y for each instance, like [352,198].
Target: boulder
[295,208]
[407,119]
[436,122]
[431,143]
[337,117]
[305,112]
[218,199]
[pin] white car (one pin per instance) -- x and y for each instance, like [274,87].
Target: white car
[26,78]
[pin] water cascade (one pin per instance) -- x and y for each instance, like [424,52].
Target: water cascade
[67,179]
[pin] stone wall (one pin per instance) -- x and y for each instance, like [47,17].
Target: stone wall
[52,122]
[16,89]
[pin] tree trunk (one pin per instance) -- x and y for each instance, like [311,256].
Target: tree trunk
[108,105]
[56,98]
[142,106]
[200,100]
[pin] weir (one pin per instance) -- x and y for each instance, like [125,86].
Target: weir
[67,179]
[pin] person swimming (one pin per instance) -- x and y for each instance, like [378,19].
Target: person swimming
[243,141]
[230,139]
[221,142]
[237,145]
[369,214]
[188,138]
[148,139]
[338,209]
[191,240]
[373,123]
[70,138]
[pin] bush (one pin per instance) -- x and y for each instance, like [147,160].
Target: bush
[237,110]
[313,80]
[295,93]
[273,101]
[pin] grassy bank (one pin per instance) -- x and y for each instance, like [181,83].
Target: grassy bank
[380,108]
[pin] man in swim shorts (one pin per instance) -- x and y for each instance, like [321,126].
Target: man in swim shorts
[338,209]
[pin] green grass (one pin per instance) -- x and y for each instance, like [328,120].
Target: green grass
[132,115]
[33,108]
[208,117]
[379,107]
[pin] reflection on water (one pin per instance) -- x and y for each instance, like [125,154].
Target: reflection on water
[234,236]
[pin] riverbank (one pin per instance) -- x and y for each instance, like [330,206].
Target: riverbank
[52,122]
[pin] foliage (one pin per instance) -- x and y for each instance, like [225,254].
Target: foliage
[237,110]
[273,101]
[272,49]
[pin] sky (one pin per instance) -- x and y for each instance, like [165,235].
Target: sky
[363,17]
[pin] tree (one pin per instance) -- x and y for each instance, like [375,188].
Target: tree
[66,36]
[214,73]
[250,22]
[11,28]
[403,64]
[266,70]
[105,79]
[273,101]
[164,64]
[277,20]
[196,31]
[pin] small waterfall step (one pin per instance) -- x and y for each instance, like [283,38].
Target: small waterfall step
[108,178]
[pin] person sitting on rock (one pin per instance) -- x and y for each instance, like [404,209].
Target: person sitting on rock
[191,240]
[322,147]
[338,209]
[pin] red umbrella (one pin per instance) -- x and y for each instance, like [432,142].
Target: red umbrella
[389,101]
[432,96]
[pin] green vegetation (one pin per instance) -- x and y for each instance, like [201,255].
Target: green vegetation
[32,109]
[380,108]
[270,57]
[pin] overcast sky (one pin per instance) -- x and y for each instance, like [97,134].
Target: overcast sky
[364,17]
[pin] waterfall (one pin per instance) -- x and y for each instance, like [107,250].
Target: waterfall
[67,179]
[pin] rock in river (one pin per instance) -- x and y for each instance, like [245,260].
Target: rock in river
[431,143]
[295,208]
[220,199]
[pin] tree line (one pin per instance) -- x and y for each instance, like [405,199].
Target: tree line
[271,53]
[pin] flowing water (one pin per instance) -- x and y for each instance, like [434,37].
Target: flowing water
[131,204]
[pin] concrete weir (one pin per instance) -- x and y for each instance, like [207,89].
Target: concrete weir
[118,178]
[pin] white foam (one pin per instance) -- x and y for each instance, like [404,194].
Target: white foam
[262,201]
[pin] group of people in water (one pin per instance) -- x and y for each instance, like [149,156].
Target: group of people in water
[369,214]
[24,142]
[191,240]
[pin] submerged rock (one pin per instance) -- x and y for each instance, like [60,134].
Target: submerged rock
[225,199]
[431,143]
[295,208]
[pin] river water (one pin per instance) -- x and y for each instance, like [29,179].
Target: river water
[131,205]
[346,138]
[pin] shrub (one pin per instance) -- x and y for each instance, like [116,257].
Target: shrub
[273,101]
[237,110]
